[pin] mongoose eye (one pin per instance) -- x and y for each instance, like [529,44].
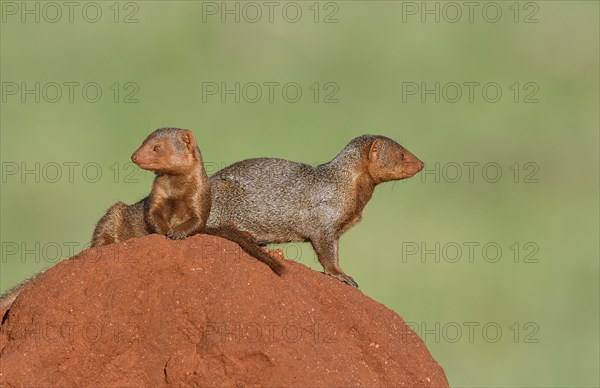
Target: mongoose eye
[401,156]
[156,148]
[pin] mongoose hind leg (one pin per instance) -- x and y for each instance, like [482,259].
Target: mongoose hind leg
[108,229]
[327,252]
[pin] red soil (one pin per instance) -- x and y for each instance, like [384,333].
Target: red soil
[200,312]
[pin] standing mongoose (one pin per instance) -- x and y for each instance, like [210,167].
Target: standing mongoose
[179,203]
[279,201]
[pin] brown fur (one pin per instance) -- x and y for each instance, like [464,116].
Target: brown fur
[121,222]
[179,203]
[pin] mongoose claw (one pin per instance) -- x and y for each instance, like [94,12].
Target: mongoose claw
[348,280]
[344,278]
[176,235]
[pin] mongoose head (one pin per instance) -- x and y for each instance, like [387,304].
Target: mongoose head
[168,150]
[389,161]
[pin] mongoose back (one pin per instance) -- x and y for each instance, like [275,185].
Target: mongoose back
[179,203]
[279,201]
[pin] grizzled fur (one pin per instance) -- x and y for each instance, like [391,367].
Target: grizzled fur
[278,201]
[121,222]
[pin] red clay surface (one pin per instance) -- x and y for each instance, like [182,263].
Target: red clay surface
[200,312]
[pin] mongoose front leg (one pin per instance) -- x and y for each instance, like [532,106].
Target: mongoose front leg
[186,228]
[327,252]
[157,219]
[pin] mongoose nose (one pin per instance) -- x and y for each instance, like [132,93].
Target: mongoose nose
[133,158]
[421,165]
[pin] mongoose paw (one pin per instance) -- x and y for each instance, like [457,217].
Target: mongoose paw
[348,280]
[176,235]
[344,278]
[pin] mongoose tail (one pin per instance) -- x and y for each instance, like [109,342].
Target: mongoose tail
[249,245]
[8,298]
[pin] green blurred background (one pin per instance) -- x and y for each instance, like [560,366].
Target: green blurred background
[533,322]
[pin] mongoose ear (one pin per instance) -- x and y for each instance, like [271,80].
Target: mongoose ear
[375,150]
[188,138]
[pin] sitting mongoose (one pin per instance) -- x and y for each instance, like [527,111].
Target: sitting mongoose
[179,203]
[279,201]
